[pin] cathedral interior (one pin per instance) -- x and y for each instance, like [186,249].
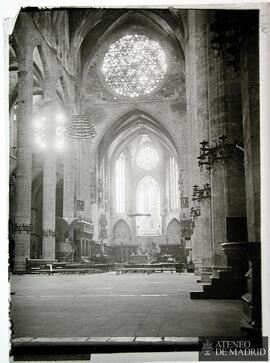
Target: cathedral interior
[134,144]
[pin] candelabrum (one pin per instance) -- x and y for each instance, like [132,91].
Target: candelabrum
[219,151]
[191,226]
[200,194]
[195,212]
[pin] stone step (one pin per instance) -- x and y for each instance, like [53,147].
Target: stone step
[222,287]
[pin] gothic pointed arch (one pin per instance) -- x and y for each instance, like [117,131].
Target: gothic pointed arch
[121,232]
[134,121]
[96,23]
[173,232]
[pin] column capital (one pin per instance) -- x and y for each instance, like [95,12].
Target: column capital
[24,228]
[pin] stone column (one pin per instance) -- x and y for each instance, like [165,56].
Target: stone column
[69,167]
[203,116]
[86,176]
[49,185]
[24,147]
[199,115]
[217,123]
[251,120]
[228,195]
[79,176]
[191,94]
[69,173]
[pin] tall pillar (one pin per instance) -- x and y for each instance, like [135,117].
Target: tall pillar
[198,112]
[68,197]
[80,208]
[24,148]
[203,116]
[69,164]
[193,137]
[218,204]
[49,186]
[216,104]
[251,125]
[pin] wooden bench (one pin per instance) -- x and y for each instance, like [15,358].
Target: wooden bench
[39,265]
[147,270]
[42,266]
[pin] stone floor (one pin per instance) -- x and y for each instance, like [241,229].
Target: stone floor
[110,305]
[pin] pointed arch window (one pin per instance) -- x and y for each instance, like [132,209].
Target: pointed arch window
[13,131]
[120,183]
[148,202]
[174,189]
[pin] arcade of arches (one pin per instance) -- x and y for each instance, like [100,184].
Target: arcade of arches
[172,171]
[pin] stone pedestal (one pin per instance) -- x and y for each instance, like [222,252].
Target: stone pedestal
[229,283]
[237,265]
[251,321]
[206,273]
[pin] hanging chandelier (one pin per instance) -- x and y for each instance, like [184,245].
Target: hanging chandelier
[80,127]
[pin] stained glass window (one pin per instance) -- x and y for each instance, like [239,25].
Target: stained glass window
[120,184]
[147,157]
[134,65]
[174,188]
[148,202]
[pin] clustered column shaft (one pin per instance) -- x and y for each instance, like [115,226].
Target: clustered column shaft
[49,189]
[24,160]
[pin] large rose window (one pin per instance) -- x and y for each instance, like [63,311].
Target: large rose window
[134,66]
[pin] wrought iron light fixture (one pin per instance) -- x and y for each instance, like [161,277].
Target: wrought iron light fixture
[80,127]
[200,194]
[195,212]
[222,151]
[192,226]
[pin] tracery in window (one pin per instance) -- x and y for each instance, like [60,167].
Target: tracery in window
[174,187]
[134,65]
[148,202]
[147,157]
[120,179]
